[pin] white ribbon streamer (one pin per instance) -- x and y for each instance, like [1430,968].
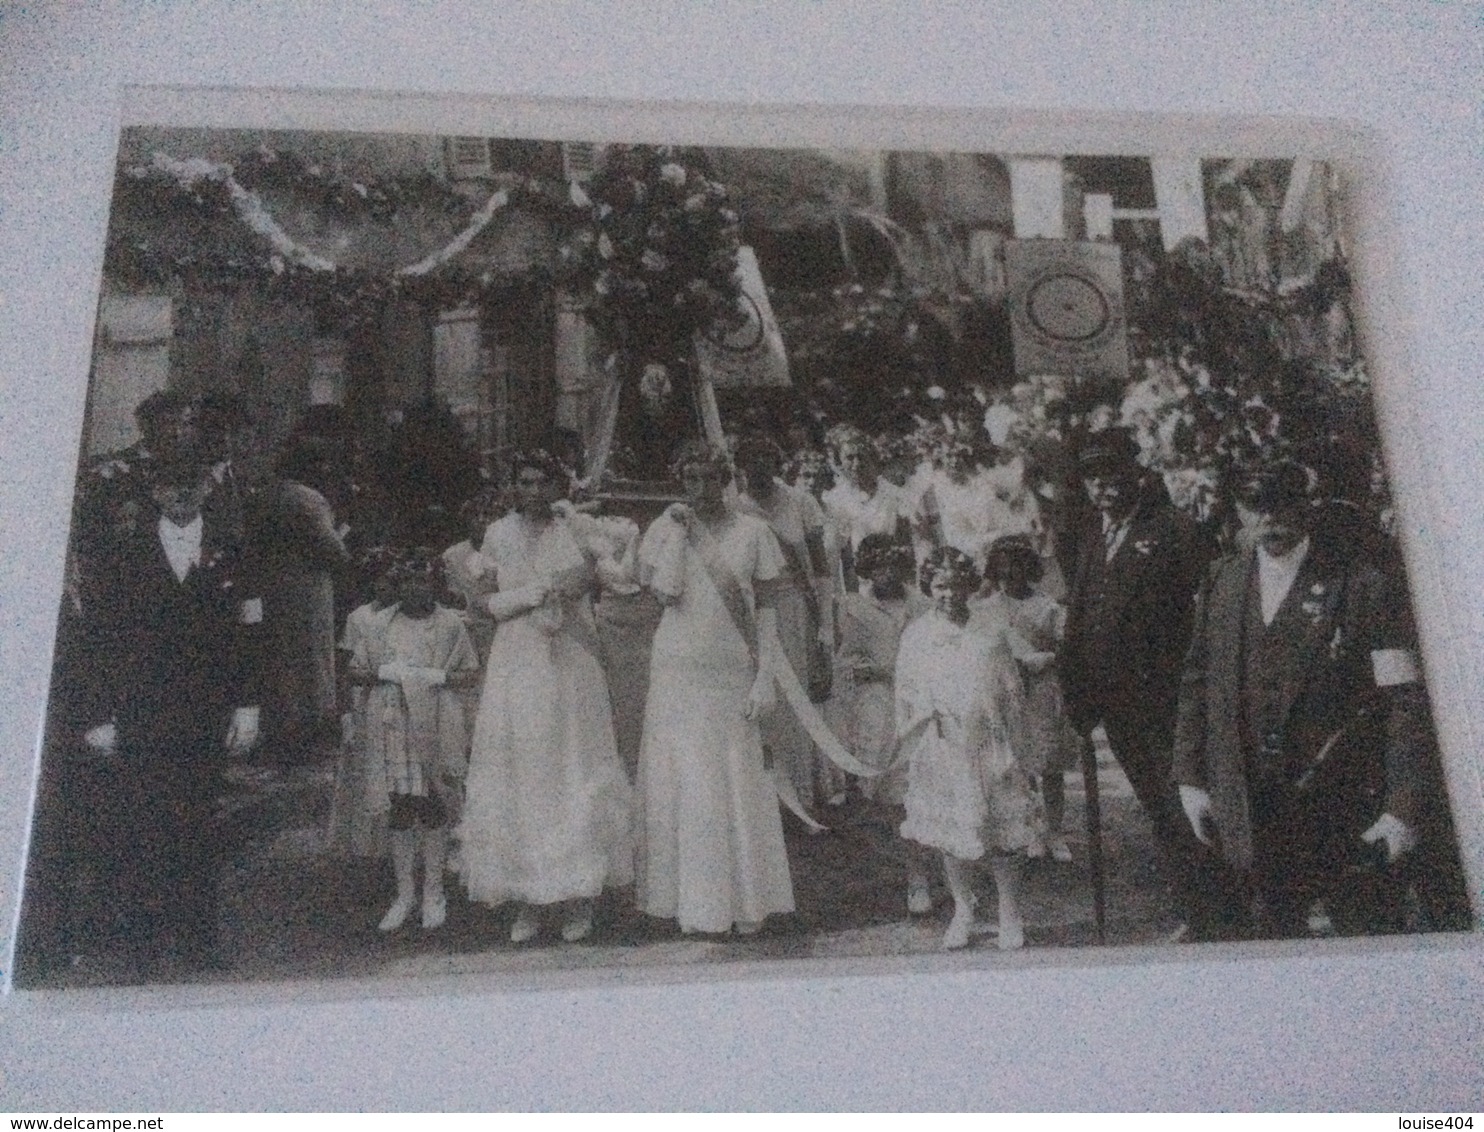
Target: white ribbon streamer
[784,786]
[806,713]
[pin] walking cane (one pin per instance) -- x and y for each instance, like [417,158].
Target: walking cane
[1095,837]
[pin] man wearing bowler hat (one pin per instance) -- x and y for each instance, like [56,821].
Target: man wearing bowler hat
[1302,734]
[1128,623]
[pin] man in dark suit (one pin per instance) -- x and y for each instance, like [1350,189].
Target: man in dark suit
[1128,622]
[1302,736]
[169,677]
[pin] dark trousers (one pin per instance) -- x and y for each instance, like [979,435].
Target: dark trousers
[1306,847]
[170,854]
[1191,869]
[70,907]
[1362,895]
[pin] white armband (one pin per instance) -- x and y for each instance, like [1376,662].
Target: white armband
[1395,666]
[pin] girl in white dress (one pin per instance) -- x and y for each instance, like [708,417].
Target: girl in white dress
[1034,625]
[960,719]
[547,809]
[712,853]
[413,659]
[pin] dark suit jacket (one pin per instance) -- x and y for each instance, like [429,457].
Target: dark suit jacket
[1349,609]
[1122,654]
[169,659]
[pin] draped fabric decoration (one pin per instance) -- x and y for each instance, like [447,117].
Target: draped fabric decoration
[602,443]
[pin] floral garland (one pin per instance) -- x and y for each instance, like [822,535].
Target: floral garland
[191,226]
[252,212]
[648,250]
[342,196]
[1199,429]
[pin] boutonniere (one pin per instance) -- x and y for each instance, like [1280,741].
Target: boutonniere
[213,561]
[1145,546]
[1335,643]
[1313,605]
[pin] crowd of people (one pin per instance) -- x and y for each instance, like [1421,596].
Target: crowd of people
[560,698]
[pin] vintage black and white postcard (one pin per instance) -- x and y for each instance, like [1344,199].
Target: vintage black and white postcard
[554,547]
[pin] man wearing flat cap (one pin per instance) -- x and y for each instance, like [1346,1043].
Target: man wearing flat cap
[1302,727]
[1128,622]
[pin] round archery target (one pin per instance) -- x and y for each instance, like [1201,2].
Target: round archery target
[1066,307]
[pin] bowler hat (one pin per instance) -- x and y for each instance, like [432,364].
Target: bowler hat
[1110,452]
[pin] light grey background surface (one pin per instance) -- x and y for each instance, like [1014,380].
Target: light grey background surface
[1376,1025]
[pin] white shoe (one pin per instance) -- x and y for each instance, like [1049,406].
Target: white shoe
[1012,937]
[578,924]
[435,911]
[919,899]
[1060,850]
[526,926]
[396,915]
[959,927]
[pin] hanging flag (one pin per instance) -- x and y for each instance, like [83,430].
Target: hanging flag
[752,355]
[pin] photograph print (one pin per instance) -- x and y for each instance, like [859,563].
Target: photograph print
[496,555]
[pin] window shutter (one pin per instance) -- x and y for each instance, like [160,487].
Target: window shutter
[468,157]
[580,160]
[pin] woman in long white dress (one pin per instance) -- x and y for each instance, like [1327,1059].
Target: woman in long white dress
[547,809]
[712,854]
